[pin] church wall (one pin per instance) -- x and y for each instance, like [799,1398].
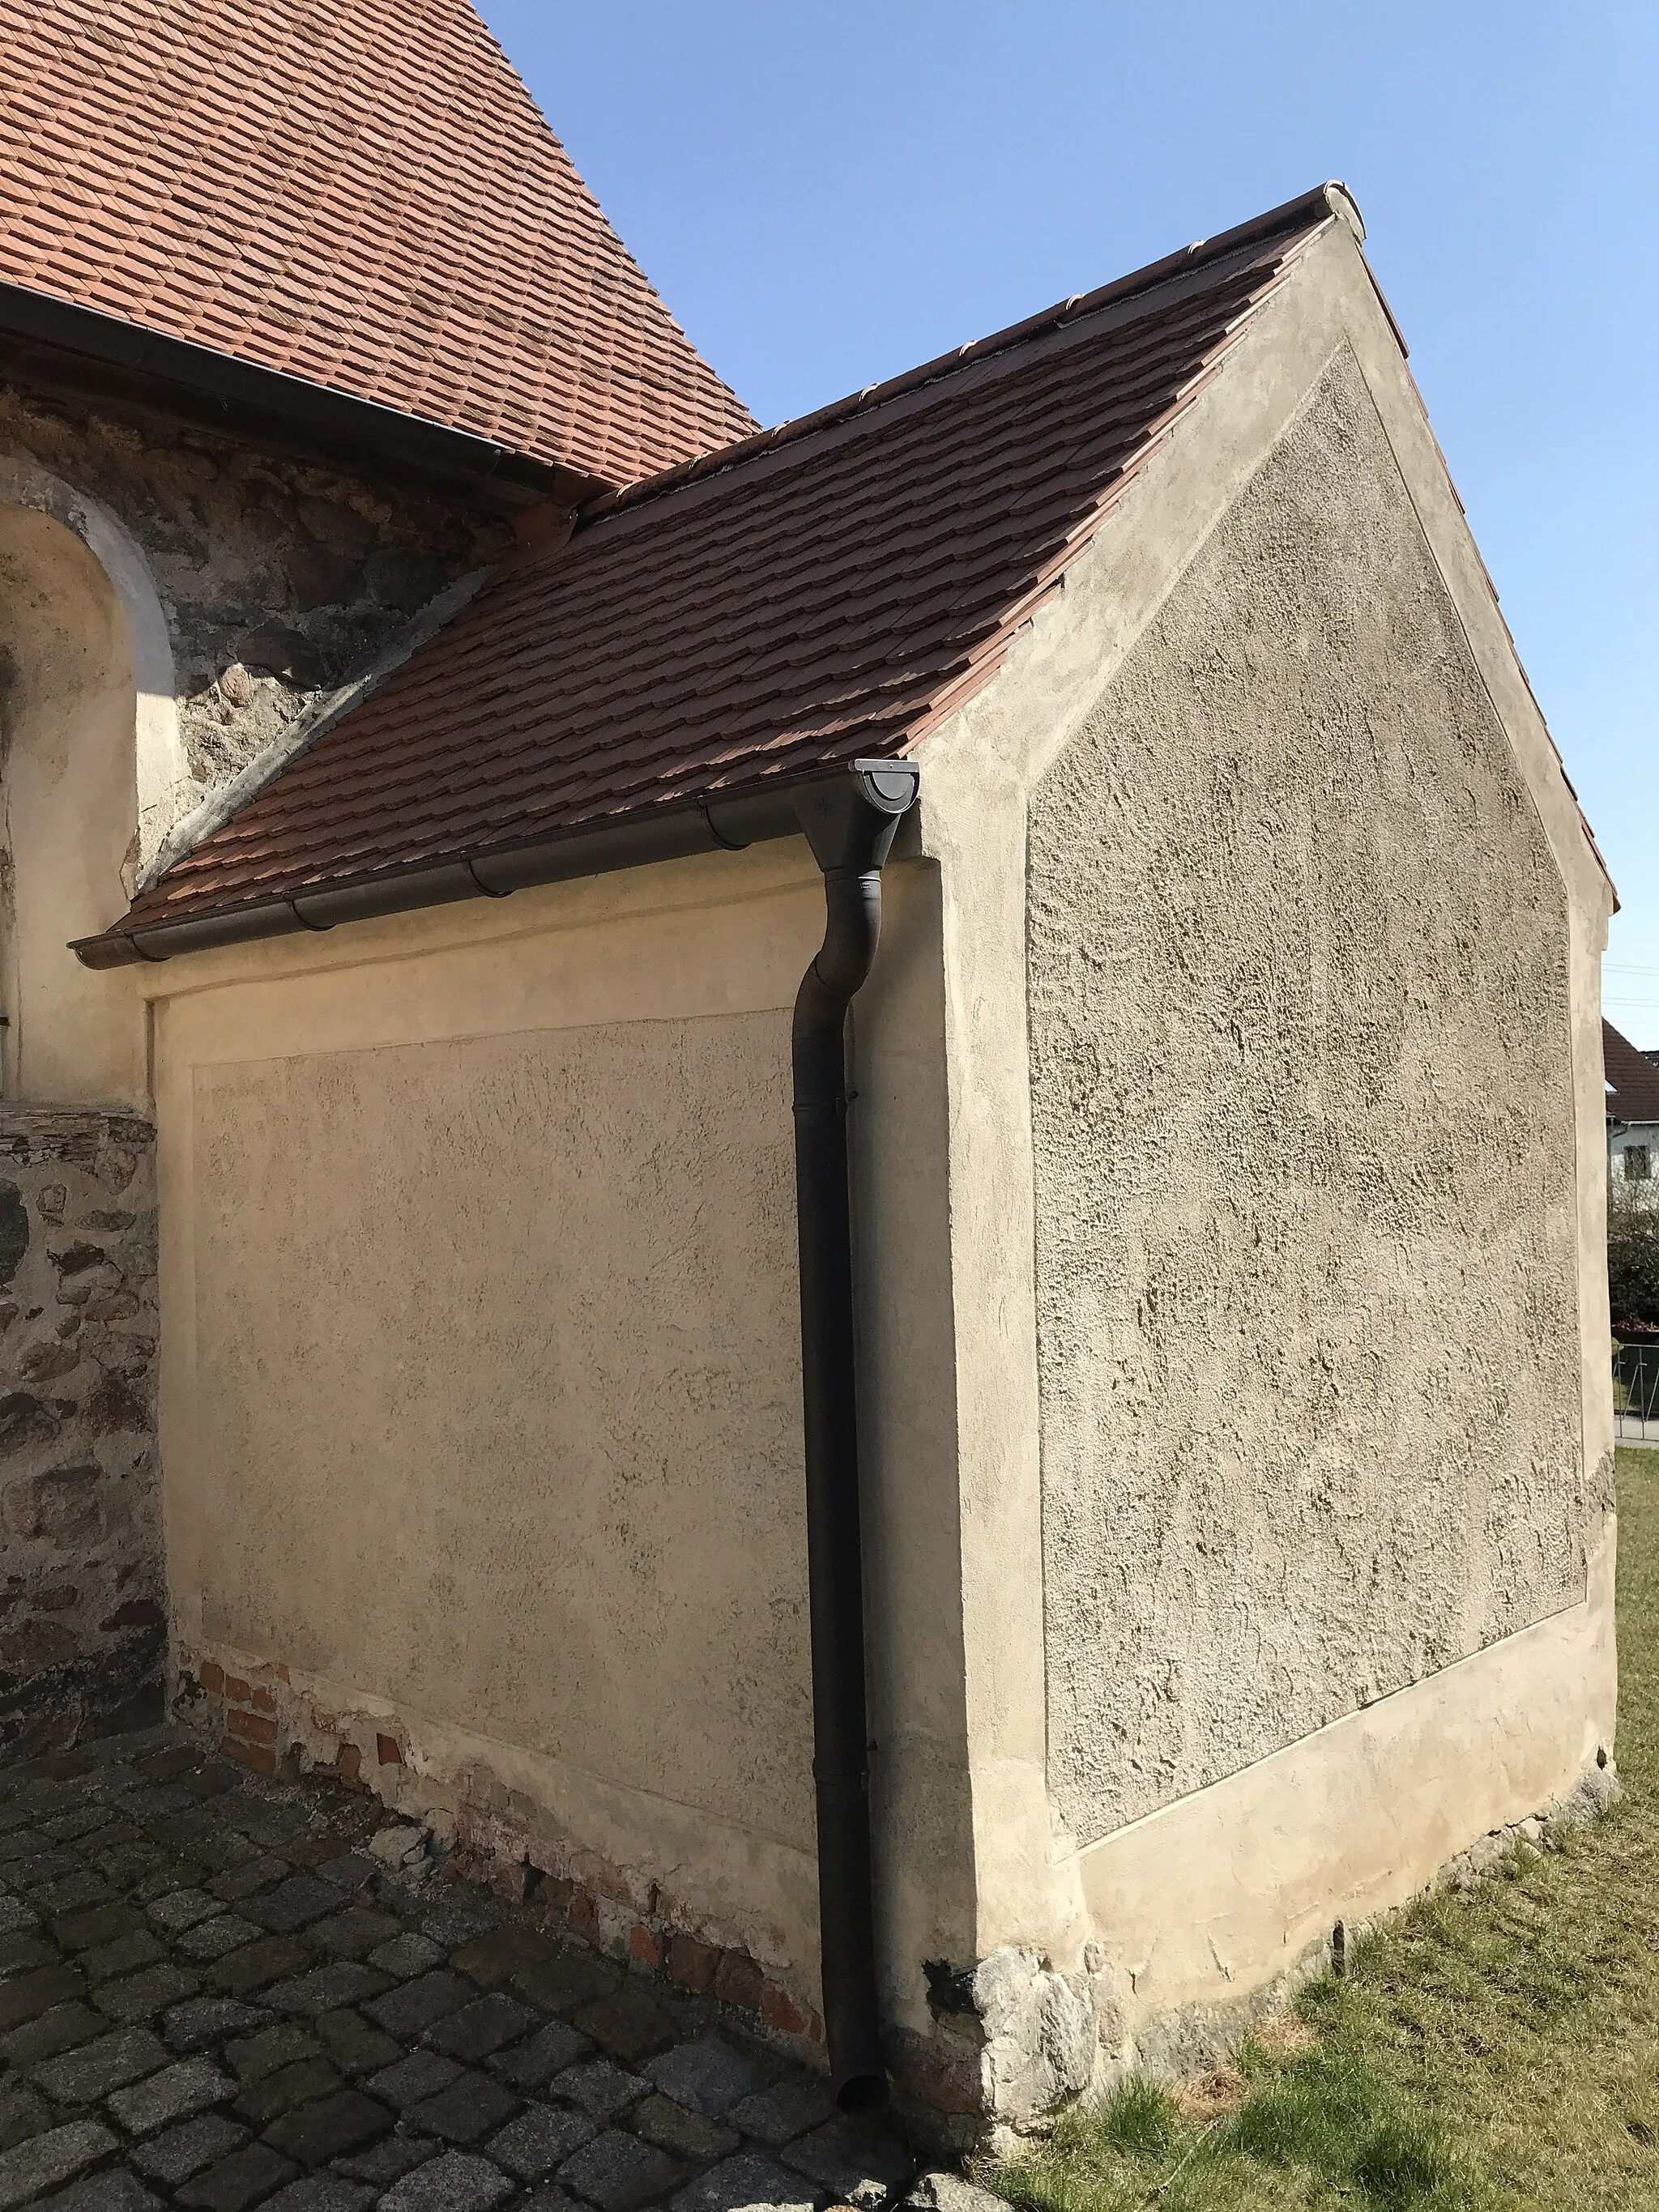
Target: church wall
[481,1410]
[278,578]
[1304,1121]
[82,1596]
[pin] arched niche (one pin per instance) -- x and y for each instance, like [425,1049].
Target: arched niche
[92,776]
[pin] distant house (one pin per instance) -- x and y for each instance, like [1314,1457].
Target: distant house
[1632,1108]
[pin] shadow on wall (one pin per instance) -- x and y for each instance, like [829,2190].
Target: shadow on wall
[68,788]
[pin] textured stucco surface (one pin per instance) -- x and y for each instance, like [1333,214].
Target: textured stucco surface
[504,1425]
[1303,1125]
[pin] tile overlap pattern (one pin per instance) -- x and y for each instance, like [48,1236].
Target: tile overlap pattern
[363,195]
[211,1996]
[827,595]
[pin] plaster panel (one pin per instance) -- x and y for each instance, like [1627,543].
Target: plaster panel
[503,1421]
[1303,1134]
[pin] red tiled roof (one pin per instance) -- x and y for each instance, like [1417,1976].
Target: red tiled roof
[363,195]
[1634,1095]
[821,592]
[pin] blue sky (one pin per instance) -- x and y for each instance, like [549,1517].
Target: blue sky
[828,194]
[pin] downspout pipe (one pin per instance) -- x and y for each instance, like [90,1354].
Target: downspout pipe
[850,825]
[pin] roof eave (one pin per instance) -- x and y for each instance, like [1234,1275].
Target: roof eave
[59,346]
[716,821]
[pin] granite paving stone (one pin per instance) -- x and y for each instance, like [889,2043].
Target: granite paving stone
[349,1871]
[81,2077]
[260,2015]
[421,2075]
[116,2190]
[294,1904]
[539,2140]
[861,2163]
[483,2027]
[61,2029]
[354,2046]
[620,2173]
[358,1929]
[272,2094]
[188,2086]
[124,1956]
[467,2110]
[280,2044]
[27,1995]
[100,1923]
[182,1908]
[322,2192]
[459,2181]
[568,1979]
[784,2110]
[20,1952]
[709,2075]
[178,2152]
[750,2182]
[32,2167]
[248,1879]
[203,2020]
[390,2159]
[533,2064]
[22,2114]
[139,1996]
[231,2185]
[272,1959]
[212,1939]
[684,2133]
[417,2005]
[405,1954]
[598,2087]
[325,1988]
[333,2127]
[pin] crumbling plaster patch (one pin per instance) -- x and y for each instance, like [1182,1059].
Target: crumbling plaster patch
[1304,1131]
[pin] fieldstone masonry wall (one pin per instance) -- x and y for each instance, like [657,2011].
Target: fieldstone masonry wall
[278,579]
[82,1623]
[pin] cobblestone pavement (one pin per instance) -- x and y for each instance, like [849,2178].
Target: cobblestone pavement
[213,1994]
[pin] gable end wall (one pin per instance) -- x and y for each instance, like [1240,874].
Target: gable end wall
[1303,1125]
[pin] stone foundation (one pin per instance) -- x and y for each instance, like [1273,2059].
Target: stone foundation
[83,1615]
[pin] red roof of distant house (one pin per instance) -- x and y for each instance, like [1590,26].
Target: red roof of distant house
[820,592]
[1634,1080]
[362,195]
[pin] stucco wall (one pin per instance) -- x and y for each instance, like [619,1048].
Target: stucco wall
[1303,1126]
[503,1423]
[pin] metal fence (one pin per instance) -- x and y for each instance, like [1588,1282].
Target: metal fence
[1636,1392]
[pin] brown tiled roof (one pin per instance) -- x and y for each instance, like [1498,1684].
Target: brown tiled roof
[1634,1095]
[361,194]
[821,592]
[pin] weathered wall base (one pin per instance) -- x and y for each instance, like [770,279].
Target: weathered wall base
[265,1714]
[82,1623]
[1434,1784]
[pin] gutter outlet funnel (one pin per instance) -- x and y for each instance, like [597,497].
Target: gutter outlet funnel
[850,824]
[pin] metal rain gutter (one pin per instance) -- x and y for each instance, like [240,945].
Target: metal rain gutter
[851,826]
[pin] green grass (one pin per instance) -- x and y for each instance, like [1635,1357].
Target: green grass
[1493,2051]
